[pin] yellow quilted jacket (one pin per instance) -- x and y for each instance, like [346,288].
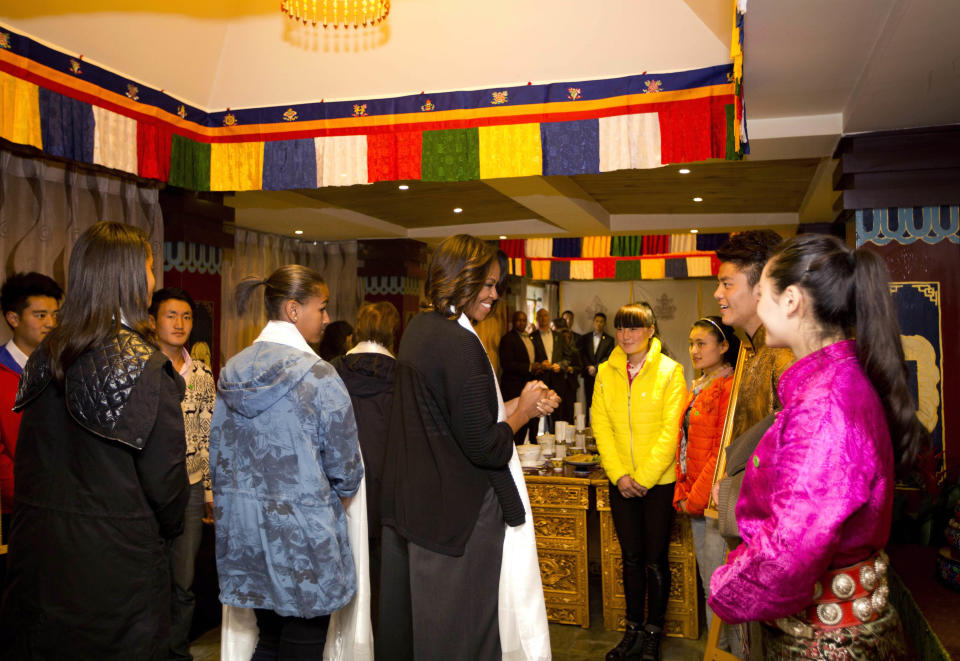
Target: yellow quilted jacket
[637,426]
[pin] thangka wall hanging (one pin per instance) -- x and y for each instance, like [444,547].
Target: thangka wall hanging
[73,109]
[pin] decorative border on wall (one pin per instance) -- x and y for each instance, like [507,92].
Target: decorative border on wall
[907,225]
[379,285]
[191,258]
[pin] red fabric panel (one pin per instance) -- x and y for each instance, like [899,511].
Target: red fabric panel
[153,150]
[604,268]
[685,132]
[718,117]
[513,247]
[656,244]
[394,156]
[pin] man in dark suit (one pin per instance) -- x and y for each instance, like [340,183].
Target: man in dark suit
[516,363]
[568,317]
[554,360]
[595,348]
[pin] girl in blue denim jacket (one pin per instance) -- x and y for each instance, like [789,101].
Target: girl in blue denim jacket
[283,453]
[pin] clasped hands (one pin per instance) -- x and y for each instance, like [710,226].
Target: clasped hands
[630,488]
[538,400]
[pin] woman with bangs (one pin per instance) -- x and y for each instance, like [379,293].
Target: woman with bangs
[638,399]
[460,577]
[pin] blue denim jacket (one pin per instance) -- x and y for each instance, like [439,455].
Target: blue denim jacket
[283,452]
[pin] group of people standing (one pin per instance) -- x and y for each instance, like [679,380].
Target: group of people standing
[112,470]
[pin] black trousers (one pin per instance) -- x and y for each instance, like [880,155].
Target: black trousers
[290,638]
[643,527]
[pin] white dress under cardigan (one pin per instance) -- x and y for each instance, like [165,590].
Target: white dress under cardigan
[350,635]
[524,635]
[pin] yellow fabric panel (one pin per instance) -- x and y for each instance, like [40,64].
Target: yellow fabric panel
[236,166]
[510,151]
[653,269]
[698,267]
[20,111]
[540,269]
[581,269]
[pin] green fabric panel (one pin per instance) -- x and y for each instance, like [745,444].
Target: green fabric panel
[628,269]
[634,247]
[731,147]
[189,164]
[614,246]
[451,155]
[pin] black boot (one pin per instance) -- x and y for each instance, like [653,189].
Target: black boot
[650,647]
[628,643]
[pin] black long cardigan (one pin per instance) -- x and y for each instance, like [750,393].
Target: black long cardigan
[445,447]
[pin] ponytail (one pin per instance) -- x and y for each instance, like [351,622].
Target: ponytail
[851,294]
[290,282]
[880,353]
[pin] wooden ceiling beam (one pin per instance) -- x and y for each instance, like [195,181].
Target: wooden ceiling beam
[558,200]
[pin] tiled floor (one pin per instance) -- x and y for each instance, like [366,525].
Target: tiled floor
[569,643]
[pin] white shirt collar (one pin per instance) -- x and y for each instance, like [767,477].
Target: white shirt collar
[17,354]
[368,346]
[283,332]
[187,362]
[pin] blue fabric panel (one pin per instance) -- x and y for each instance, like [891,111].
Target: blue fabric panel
[560,270]
[675,268]
[289,164]
[571,147]
[566,247]
[711,241]
[66,126]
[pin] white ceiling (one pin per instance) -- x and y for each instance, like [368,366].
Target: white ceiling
[814,70]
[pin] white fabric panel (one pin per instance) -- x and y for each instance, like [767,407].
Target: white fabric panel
[683,243]
[114,140]
[341,160]
[630,142]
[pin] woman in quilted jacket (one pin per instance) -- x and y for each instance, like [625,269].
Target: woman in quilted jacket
[101,481]
[638,399]
[713,352]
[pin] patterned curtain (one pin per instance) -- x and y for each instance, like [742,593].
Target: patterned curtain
[45,206]
[255,253]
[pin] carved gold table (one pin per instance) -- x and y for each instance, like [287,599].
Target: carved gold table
[559,507]
[682,607]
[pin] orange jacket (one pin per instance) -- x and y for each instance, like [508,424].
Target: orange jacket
[707,414]
[9,427]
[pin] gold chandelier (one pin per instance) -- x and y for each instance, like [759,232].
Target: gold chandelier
[358,13]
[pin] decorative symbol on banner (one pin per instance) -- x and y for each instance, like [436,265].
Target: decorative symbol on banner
[133,92]
[230,119]
[182,111]
[75,67]
[359,109]
[499,98]
[908,225]
[290,115]
[665,308]
[730,78]
[573,93]
[5,40]
[652,86]
[428,106]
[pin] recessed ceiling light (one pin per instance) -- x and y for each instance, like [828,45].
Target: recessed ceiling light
[403,187]
[298,231]
[684,170]
[694,231]
[458,210]
[698,199]
[503,236]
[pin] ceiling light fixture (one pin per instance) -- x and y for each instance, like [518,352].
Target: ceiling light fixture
[698,199]
[458,210]
[337,13]
[403,187]
[503,237]
[694,231]
[684,170]
[298,231]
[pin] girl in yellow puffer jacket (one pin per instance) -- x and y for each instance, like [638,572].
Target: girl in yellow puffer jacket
[638,399]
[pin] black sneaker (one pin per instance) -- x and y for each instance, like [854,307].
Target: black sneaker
[650,647]
[629,641]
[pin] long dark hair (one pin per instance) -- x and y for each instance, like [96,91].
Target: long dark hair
[850,293]
[290,282]
[457,272]
[714,324]
[106,282]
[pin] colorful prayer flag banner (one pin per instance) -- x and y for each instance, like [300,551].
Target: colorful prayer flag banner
[73,109]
